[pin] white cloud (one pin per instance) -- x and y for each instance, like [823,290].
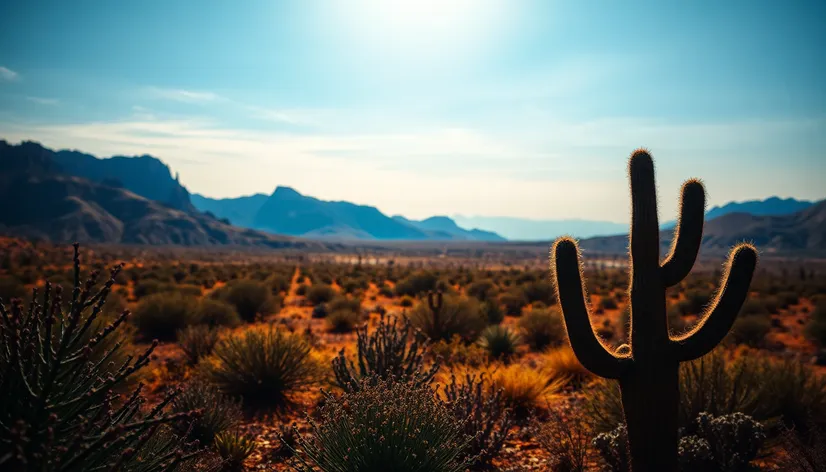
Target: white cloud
[44,101]
[8,74]
[186,96]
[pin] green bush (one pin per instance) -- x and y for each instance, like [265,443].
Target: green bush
[233,448]
[385,426]
[416,284]
[483,290]
[457,316]
[500,341]
[213,312]
[320,293]
[249,298]
[513,302]
[58,386]
[386,353]
[219,412]
[263,366]
[542,328]
[342,320]
[197,342]
[162,315]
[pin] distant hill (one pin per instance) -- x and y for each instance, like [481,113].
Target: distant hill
[48,203]
[288,212]
[146,176]
[523,229]
[448,227]
[800,232]
[772,206]
[239,211]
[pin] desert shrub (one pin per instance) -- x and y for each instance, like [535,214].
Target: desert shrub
[456,351]
[385,426]
[279,283]
[57,405]
[342,321]
[566,438]
[734,442]
[213,312]
[479,406]
[492,312]
[753,307]
[320,293]
[804,453]
[162,315]
[562,363]
[542,328]
[816,326]
[233,448]
[301,290]
[249,298]
[406,302]
[416,283]
[524,388]
[345,303]
[148,287]
[386,291]
[458,315]
[482,290]
[197,342]
[766,389]
[320,311]
[263,366]
[500,341]
[539,291]
[750,330]
[513,302]
[612,447]
[219,413]
[388,353]
[188,290]
[786,299]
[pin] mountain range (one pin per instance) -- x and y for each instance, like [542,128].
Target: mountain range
[288,212]
[799,232]
[70,195]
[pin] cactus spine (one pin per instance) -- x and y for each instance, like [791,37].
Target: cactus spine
[647,367]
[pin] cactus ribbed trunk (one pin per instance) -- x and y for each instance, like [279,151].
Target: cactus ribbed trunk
[650,397]
[648,366]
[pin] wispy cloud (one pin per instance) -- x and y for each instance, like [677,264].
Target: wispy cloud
[8,74]
[186,96]
[44,101]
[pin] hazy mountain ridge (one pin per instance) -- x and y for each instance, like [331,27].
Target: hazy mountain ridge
[54,205]
[289,212]
[772,206]
[800,232]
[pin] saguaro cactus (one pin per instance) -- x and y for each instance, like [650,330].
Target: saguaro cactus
[647,367]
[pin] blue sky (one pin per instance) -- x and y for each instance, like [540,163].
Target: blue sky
[475,107]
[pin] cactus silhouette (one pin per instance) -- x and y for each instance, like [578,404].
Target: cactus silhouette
[647,367]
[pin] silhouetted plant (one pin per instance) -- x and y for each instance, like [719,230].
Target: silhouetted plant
[384,426]
[213,312]
[566,438]
[60,409]
[647,367]
[233,448]
[320,293]
[386,353]
[542,328]
[342,320]
[483,411]
[443,317]
[263,366]
[197,342]
[250,298]
[500,341]
[218,412]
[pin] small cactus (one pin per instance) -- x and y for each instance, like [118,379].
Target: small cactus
[647,367]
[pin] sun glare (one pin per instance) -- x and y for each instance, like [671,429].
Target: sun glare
[422,31]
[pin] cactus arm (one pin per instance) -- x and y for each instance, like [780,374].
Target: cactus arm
[720,316]
[644,239]
[584,341]
[687,235]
